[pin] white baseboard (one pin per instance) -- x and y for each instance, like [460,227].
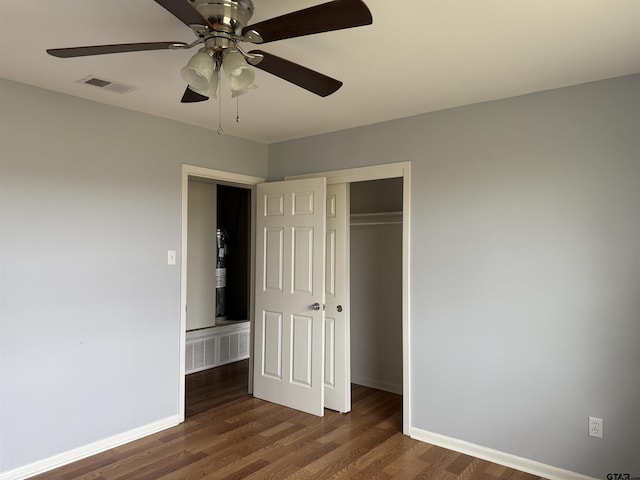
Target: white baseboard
[495,456]
[368,382]
[79,453]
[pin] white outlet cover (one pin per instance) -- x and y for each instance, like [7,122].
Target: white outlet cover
[596,427]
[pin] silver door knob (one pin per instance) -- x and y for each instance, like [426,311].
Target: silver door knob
[315,306]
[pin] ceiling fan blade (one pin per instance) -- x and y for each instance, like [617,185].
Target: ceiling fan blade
[119,48]
[301,76]
[183,11]
[335,15]
[190,96]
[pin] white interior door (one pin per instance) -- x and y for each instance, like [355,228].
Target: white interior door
[289,332]
[337,371]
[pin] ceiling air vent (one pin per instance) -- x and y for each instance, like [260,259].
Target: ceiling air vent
[107,84]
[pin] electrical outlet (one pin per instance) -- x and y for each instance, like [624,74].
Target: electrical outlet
[595,427]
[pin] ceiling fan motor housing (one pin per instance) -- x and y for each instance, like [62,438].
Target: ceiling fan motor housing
[229,16]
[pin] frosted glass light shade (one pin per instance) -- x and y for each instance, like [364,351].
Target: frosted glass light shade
[238,74]
[237,93]
[199,71]
[212,91]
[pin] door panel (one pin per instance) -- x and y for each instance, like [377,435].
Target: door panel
[302,333]
[289,336]
[302,270]
[329,353]
[337,378]
[273,259]
[272,345]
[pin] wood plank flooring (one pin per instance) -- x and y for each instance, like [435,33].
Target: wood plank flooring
[230,435]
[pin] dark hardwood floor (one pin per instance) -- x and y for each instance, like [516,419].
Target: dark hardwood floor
[231,435]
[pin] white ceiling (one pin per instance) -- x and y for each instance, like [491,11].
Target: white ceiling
[418,56]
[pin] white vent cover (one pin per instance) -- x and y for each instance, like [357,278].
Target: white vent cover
[212,347]
[104,84]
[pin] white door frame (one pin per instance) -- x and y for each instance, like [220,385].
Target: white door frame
[379,172]
[359,174]
[220,176]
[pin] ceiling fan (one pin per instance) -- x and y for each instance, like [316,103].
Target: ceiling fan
[220,25]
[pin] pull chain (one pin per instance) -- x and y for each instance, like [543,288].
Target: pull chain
[220,130]
[238,109]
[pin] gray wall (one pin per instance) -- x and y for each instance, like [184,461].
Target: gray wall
[376,286]
[89,205]
[525,270]
[376,306]
[202,257]
[376,196]
[525,266]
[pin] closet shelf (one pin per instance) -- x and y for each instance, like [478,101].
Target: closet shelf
[378,218]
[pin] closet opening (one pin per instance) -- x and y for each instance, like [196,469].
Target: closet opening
[376,230]
[218,282]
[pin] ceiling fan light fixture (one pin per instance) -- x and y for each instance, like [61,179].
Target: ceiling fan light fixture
[237,93]
[221,25]
[212,90]
[199,71]
[239,75]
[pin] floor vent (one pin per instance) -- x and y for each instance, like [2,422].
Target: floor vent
[107,84]
[210,347]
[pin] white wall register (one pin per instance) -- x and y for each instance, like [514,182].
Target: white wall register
[211,347]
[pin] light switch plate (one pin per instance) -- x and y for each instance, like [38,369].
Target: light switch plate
[171,257]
